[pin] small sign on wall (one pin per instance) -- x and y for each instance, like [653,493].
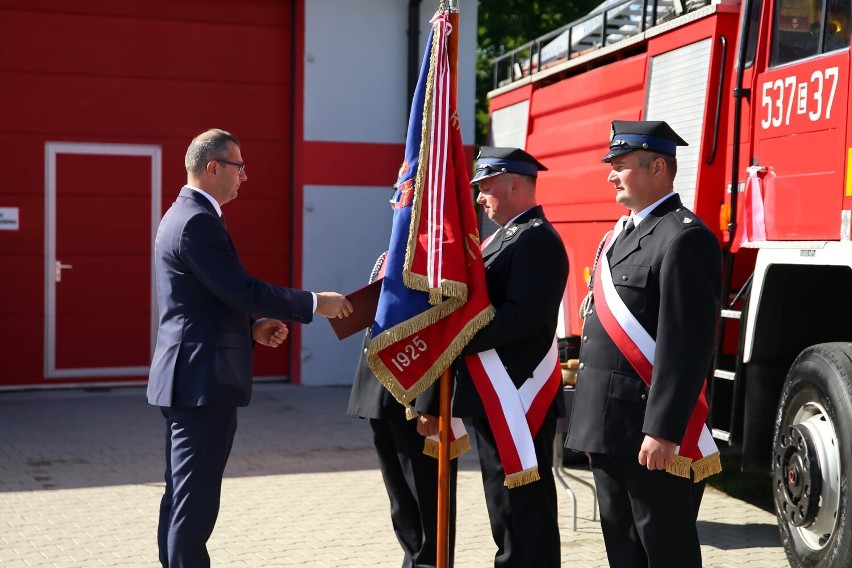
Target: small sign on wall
[9,219]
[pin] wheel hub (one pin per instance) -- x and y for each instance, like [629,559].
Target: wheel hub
[796,463]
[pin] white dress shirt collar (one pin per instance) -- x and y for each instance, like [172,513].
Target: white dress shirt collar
[637,217]
[210,198]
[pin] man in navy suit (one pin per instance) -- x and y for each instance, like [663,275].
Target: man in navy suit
[202,366]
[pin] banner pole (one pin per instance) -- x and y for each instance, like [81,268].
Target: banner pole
[444,473]
[445,381]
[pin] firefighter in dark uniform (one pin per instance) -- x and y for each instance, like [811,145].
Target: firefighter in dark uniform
[665,267]
[410,476]
[526,271]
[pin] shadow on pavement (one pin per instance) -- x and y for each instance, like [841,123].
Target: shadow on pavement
[94,438]
[727,536]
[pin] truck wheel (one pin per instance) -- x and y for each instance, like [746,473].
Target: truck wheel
[812,457]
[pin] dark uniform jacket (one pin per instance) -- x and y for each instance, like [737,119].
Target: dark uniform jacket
[203,355]
[526,271]
[667,272]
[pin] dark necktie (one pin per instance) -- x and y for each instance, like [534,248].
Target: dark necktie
[628,228]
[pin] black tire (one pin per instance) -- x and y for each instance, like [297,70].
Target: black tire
[812,456]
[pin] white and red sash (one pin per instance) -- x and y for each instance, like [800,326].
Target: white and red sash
[515,414]
[697,451]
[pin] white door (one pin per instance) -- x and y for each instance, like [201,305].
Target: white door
[102,208]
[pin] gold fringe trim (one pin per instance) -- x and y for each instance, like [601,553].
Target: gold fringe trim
[411,413]
[455,292]
[706,466]
[435,296]
[457,447]
[412,326]
[521,478]
[422,161]
[460,446]
[680,466]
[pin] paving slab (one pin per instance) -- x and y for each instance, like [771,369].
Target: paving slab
[81,478]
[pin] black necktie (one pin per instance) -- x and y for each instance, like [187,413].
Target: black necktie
[628,228]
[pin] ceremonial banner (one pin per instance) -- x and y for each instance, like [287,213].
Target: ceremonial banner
[433,297]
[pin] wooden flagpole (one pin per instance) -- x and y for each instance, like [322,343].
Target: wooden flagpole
[444,426]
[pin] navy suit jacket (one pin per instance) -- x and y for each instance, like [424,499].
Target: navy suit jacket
[203,355]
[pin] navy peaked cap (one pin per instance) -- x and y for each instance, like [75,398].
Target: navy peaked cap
[651,135]
[493,161]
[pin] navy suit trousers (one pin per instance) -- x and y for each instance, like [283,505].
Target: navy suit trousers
[198,443]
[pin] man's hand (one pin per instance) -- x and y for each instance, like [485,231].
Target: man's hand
[333,305]
[427,425]
[269,332]
[656,453]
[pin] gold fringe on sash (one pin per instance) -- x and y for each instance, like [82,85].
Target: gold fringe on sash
[706,466]
[522,477]
[435,296]
[680,466]
[697,470]
[457,447]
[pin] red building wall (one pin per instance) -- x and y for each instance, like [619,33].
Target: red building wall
[132,73]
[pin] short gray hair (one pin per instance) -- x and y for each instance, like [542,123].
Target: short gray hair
[207,146]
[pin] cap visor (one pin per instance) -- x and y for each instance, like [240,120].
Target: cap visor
[483,174]
[616,152]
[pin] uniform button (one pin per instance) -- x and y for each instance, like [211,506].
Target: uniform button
[624,277]
[644,397]
[585,339]
[582,366]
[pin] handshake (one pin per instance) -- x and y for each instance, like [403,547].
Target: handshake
[272,332]
[333,305]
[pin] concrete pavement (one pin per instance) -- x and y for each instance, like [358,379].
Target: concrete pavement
[81,479]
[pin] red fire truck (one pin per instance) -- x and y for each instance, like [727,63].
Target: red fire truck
[760,90]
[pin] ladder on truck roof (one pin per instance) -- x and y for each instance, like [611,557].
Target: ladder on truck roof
[609,23]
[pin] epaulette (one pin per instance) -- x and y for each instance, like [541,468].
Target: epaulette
[686,218]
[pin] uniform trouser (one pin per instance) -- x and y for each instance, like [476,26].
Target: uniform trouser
[524,520]
[648,517]
[198,443]
[411,480]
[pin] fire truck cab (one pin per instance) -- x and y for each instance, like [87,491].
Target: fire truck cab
[760,91]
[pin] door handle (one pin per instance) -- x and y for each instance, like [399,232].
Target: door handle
[59,267]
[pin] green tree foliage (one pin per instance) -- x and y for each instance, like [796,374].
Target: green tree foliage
[507,24]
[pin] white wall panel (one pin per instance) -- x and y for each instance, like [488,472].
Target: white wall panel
[345,229]
[356,85]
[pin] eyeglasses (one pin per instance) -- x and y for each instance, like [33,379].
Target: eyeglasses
[241,166]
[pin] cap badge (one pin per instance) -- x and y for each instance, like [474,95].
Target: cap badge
[687,219]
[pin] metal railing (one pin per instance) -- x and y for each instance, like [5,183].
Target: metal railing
[611,22]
